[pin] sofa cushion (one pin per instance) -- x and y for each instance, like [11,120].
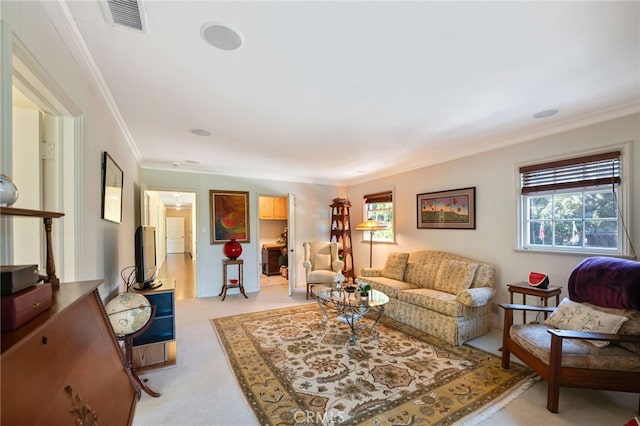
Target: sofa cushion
[322,262]
[395,265]
[388,286]
[437,301]
[578,317]
[455,275]
[576,352]
[422,267]
[321,276]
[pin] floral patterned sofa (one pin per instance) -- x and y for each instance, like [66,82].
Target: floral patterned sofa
[440,293]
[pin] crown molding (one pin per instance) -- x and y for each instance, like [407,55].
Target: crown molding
[61,18]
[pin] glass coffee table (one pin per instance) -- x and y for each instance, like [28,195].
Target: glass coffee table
[350,307]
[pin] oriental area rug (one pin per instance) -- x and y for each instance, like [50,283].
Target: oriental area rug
[295,371]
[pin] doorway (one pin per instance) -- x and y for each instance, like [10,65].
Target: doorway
[173,214]
[273,236]
[44,133]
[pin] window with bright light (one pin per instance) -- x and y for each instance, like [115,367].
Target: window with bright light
[573,205]
[380,207]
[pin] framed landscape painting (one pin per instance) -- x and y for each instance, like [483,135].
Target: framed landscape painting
[229,216]
[453,209]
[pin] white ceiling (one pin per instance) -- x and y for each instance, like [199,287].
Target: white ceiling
[342,92]
[172,199]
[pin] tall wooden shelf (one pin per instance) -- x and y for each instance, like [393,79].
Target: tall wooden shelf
[341,233]
[47,218]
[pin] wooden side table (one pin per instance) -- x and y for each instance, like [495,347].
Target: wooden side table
[225,281]
[525,290]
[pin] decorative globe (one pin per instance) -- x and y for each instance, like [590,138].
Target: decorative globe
[232,249]
[128,312]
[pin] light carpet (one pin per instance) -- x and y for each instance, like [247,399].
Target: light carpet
[294,370]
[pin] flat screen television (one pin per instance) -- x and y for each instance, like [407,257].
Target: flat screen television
[146,267]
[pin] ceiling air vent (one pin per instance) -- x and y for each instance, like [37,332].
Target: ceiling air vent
[127,13]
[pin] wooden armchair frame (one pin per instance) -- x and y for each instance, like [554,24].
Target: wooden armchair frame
[554,373]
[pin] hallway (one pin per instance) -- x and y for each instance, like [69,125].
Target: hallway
[180,268]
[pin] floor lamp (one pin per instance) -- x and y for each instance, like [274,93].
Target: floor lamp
[371,226]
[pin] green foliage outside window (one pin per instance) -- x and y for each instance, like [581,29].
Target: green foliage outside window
[581,219]
[382,212]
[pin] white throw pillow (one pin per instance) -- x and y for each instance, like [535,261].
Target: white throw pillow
[322,262]
[578,317]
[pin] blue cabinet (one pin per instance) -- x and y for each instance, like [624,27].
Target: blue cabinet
[156,346]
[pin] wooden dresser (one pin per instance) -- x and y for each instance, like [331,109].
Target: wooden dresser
[65,366]
[271,259]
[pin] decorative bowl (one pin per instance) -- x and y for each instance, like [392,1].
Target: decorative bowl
[8,191]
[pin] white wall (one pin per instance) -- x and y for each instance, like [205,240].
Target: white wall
[494,175]
[270,230]
[312,220]
[104,248]
[26,150]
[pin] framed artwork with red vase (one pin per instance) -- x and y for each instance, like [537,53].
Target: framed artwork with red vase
[229,216]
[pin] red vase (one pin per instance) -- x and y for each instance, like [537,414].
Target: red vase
[232,249]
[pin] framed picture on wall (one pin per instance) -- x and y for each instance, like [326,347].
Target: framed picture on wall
[452,209]
[229,216]
[112,180]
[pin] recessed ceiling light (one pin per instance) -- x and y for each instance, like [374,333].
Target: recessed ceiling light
[175,164]
[546,113]
[221,36]
[201,132]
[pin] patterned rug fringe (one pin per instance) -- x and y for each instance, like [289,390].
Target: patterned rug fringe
[483,414]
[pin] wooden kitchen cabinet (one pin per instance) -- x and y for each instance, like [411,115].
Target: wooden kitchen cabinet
[272,208]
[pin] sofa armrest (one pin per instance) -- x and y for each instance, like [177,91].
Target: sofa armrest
[479,296]
[307,265]
[337,265]
[371,272]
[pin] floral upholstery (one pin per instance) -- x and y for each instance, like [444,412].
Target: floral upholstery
[438,301]
[395,266]
[443,294]
[476,296]
[630,327]
[388,286]
[455,275]
[575,352]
